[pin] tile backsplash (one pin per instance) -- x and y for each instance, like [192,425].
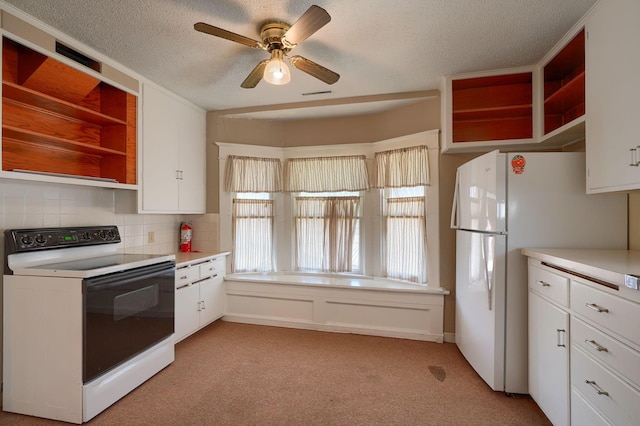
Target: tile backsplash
[27,204]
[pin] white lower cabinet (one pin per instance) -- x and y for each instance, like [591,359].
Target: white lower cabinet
[601,346]
[200,295]
[549,344]
[605,352]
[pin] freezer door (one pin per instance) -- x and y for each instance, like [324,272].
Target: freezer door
[480,303]
[480,194]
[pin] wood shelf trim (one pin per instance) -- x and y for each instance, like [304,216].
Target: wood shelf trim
[500,112]
[33,99]
[571,93]
[17,134]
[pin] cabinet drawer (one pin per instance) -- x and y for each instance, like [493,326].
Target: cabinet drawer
[614,398]
[583,414]
[606,349]
[606,310]
[549,284]
[186,275]
[212,268]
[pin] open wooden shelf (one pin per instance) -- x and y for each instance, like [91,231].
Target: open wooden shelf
[31,98]
[564,85]
[18,134]
[57,119]
[491,108]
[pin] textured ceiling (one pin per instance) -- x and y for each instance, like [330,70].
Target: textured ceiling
[377,46]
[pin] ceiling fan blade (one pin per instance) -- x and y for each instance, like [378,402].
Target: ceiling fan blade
[255,76]
[228,35]
[311,21]
[313,69]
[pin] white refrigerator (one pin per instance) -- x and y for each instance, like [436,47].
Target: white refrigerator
[504,202]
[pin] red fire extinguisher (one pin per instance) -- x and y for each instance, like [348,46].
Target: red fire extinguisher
[185,237]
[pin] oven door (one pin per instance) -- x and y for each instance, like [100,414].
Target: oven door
[124,314]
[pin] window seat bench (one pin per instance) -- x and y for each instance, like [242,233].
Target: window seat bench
[348,304]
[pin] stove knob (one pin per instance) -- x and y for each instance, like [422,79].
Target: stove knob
[26,240]
[102,235]
[112,235]
[85,236]
[41,240]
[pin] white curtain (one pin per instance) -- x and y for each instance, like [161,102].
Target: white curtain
[405,239]
[252,174]
[403,167]
[253,235]
[325,228]
[327,174]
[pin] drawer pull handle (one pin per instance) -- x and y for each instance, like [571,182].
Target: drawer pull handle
[598,389]
[544,284]
[561,334]
[595,345]
[596,308]
[203,308]
[184,277]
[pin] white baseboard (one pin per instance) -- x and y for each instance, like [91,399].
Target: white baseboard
[449,337]
[333,328]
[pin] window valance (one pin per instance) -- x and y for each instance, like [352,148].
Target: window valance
[403,167]
[252,174]
[327,174]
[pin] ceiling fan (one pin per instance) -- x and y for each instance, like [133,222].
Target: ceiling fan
[278,38]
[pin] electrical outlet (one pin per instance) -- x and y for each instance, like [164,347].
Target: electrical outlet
[151,237]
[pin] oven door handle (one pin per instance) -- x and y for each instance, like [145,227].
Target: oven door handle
[124,277]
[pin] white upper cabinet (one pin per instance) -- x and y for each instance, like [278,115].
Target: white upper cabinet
[173,154]
[613,91]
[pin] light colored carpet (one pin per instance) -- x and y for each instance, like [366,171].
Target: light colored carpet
[238,374]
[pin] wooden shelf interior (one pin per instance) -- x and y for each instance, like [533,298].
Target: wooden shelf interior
[564,85]
[57,119]
[493,108]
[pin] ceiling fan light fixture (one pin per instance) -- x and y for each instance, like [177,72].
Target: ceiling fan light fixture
[276,72]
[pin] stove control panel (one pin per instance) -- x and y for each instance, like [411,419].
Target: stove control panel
[24,240]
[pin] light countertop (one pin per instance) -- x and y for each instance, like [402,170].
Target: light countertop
[183,259]
[607,265]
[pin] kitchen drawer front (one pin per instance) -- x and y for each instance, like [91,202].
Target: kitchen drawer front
[606,349]
[187,275]
[212,268]
[617,400]
[549,284]
[606,310]
[583,414]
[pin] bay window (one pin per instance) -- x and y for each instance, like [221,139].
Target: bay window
[327,232]
[404,236]
[293,209]
[253,233]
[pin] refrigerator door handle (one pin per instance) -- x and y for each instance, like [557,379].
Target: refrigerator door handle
[454,207]
[488,268]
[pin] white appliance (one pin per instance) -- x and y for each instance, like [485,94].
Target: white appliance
[83,323]
[504,202]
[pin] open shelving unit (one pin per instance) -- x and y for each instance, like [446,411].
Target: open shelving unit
[492,108]
[564,85]
[59,120]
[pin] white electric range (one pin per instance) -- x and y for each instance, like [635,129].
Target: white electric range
[83,324]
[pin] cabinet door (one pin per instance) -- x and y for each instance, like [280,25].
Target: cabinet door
[612,96]
[160,149]
[187,311]
[549,358]
[192,195]
[212,300]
